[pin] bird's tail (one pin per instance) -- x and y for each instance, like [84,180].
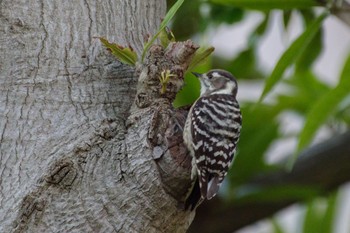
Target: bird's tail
[214,186]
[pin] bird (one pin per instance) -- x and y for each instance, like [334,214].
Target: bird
[211,134]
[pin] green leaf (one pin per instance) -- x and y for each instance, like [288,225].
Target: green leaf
[277,228]
[200,56]
[310,54]
[320,215]
[269,4]
[164,23]
[188,20]
[189,93]
[291,54]
[345,74]
[258,131]
[246,59]
[330,215]
[125,55]
[165,37]
[261,28]
[307,87]
[324,107]
[343,114]
[308,16]
[313,217]
[225,14]
[286,18]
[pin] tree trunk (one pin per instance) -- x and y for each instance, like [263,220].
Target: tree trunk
[73,157]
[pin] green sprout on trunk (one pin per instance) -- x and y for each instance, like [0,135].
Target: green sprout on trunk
[164,79]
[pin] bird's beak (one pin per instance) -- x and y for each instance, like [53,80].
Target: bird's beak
[198,75]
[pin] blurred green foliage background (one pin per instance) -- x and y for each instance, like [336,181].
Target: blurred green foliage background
[299,91]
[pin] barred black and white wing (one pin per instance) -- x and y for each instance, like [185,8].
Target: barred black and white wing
[215,129]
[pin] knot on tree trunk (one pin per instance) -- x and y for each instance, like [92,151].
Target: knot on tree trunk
[175,60]
[155,95]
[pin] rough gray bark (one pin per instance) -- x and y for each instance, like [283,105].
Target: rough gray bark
[73,158]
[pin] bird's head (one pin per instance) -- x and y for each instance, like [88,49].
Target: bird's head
[217,82]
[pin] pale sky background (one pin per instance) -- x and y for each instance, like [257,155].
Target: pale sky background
[229,40]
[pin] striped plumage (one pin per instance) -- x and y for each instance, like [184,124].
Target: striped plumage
[211,132]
